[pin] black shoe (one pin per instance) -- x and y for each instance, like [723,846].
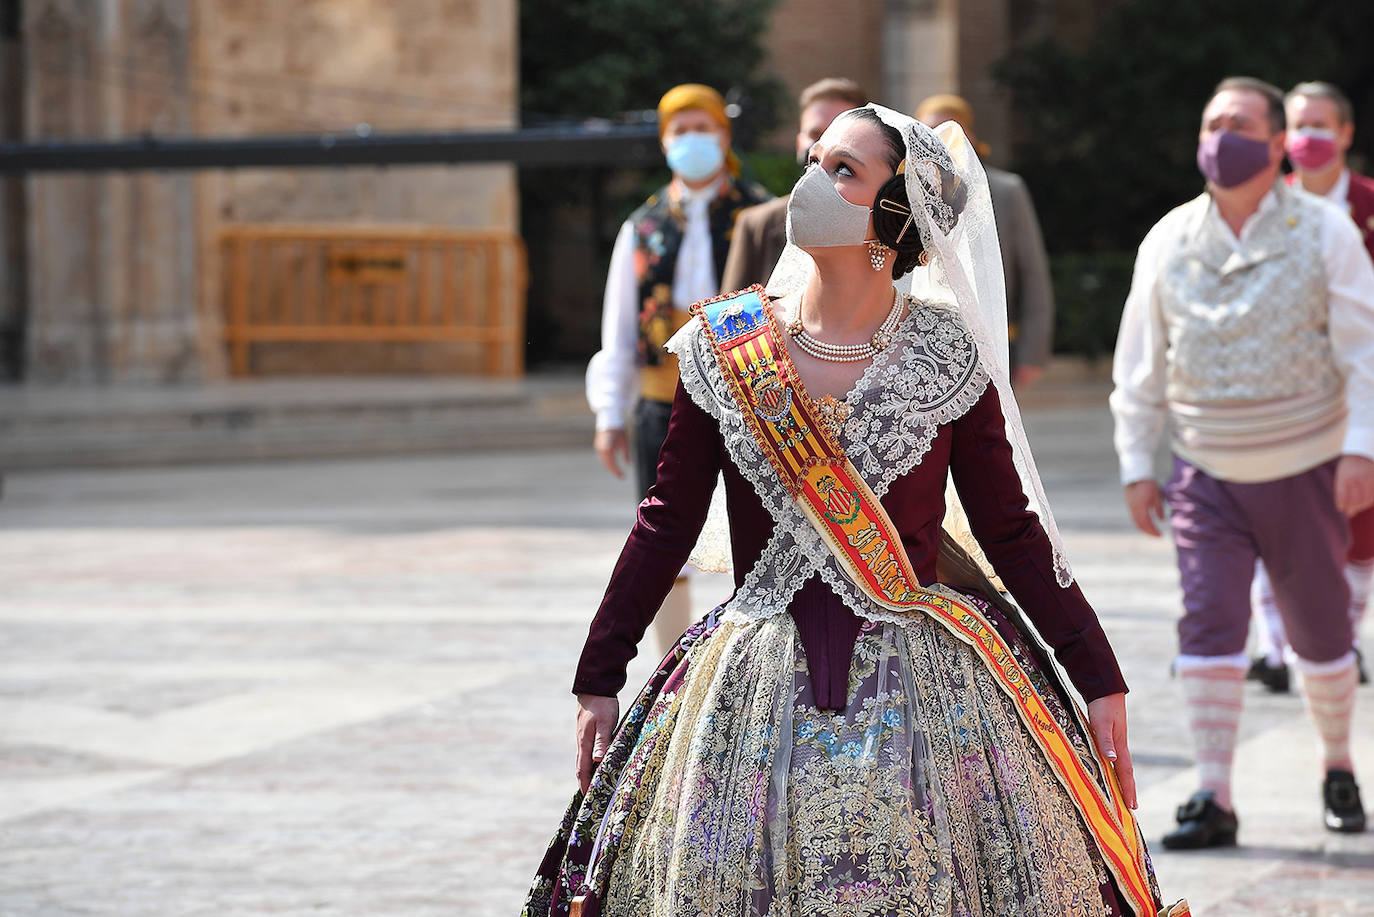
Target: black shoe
[1202,823]
[1273,677]
[1359,666]
[1343,810]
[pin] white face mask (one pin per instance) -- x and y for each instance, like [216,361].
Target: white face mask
[819,217]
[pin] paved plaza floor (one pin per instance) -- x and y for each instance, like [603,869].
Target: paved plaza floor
[341,688]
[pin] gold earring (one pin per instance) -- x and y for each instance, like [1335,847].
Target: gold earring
[877,255]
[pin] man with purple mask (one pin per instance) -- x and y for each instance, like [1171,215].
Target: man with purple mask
[1250,326]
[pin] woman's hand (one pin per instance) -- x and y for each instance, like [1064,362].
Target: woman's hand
[1107,719]
[596,719]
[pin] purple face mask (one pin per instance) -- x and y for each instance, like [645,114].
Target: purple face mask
[1226,159]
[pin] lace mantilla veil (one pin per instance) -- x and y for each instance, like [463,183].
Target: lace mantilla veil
[964,268]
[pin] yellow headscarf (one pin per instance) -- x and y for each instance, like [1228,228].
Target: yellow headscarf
[962,114]
[692,95]
[702,97]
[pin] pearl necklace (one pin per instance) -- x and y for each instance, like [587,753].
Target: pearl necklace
[848,353]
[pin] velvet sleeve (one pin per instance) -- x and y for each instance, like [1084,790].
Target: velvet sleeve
[1018,548]
[666,528]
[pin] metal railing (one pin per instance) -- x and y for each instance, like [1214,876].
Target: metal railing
[314,284]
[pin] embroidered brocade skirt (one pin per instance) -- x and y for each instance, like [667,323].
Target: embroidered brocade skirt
[727,793]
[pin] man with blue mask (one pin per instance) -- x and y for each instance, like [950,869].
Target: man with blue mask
[669,254]
[1250,326]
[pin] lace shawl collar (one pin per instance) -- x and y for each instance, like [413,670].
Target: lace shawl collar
[930,375]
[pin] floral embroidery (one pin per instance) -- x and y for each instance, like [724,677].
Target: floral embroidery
[924,796]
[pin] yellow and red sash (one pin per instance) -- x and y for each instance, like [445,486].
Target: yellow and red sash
[844,510]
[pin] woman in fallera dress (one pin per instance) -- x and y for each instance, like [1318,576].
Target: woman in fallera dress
[868,726]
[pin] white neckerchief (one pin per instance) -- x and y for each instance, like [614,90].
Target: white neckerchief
[694,278]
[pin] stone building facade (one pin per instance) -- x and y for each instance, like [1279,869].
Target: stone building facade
[904,50]
[116,277]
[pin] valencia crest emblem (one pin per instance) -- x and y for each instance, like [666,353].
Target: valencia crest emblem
[772,397]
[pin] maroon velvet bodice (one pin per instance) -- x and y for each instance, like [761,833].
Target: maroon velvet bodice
[974,448]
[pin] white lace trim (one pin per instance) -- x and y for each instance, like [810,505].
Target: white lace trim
[908,392]
[930,375]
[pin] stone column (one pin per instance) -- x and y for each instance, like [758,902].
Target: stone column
[68,337]
[111,257]
[14,297]
[920,51]
[984,39]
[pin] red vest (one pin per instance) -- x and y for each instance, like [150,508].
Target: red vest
[1361,201]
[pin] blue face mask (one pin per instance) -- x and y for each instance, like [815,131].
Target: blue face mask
[695,156]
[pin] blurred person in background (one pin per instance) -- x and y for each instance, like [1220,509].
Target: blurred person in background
[1250,325]
[1030,297]
[1321,127]
[669,254]
[761,232]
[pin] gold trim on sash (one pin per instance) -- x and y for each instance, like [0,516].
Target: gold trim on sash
[747,344]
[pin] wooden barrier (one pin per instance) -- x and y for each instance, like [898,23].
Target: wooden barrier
[374,284]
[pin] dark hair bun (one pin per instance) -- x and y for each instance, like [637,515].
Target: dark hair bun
[892,222]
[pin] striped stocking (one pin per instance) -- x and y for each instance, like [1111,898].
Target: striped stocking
[1213,695]
[1330,692]
[1358,574]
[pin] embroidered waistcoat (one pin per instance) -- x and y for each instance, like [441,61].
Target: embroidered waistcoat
[659,224]
[1250,363]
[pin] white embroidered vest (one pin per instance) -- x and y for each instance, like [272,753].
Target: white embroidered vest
[1253,386]
[929,375]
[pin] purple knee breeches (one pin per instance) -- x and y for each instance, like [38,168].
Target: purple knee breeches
[1221,527]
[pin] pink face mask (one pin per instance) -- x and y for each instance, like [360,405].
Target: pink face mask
[1311,148]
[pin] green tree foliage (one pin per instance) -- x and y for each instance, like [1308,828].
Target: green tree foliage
[583,59]
[595,58]
[1108,135]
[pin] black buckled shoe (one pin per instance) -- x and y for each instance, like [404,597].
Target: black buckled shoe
[1202,823]
[1274,677]
[1343,810]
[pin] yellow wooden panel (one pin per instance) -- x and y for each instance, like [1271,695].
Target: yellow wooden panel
[374,284]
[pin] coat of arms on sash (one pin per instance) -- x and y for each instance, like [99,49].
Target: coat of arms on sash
[773,397]
[841,505]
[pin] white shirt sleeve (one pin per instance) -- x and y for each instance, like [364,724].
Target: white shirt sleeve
[612,372]
[1350,281]
[1138,400]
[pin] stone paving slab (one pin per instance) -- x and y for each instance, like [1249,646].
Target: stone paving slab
[341,688]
